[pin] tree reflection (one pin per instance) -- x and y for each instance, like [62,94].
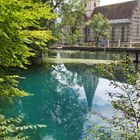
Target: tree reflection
[87,79]
[56,99]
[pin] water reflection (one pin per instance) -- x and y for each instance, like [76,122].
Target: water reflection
[88,82]
[64,98]
[103,55]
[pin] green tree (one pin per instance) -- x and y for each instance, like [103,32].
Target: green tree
[15,38]
[70,18]
[13,129]
[20,35]
[71,22]
[100,25]
[126,101]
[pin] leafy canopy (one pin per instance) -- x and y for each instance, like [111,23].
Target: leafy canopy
[100,25]
[19,29]
[13,129]
[70,18]
[16,17]
[126,101]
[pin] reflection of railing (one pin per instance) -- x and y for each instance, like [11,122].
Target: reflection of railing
[58,55]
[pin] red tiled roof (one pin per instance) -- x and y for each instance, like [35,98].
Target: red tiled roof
[116,11]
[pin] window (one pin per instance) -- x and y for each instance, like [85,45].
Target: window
[122,33]
[138,28]
[113,34]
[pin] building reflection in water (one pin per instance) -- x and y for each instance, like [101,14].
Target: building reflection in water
[63,99]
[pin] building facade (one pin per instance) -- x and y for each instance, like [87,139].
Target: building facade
[123,17]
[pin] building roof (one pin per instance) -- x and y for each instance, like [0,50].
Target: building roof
[86,18]
[117,11]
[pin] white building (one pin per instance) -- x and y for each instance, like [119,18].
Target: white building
[124,19]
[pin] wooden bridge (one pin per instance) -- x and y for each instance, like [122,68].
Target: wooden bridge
[127,50]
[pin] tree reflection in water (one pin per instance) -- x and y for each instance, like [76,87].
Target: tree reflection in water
[57,99]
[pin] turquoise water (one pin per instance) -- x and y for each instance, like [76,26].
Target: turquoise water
[64,98]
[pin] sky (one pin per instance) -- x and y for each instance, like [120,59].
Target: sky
[106,2]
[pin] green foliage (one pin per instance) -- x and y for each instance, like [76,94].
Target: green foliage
[72,20]
[51,53]
[100,25]
[20,35]
[126,101]
[9,86]
[38,38]
[98,133]
[17,18]
[13,129]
